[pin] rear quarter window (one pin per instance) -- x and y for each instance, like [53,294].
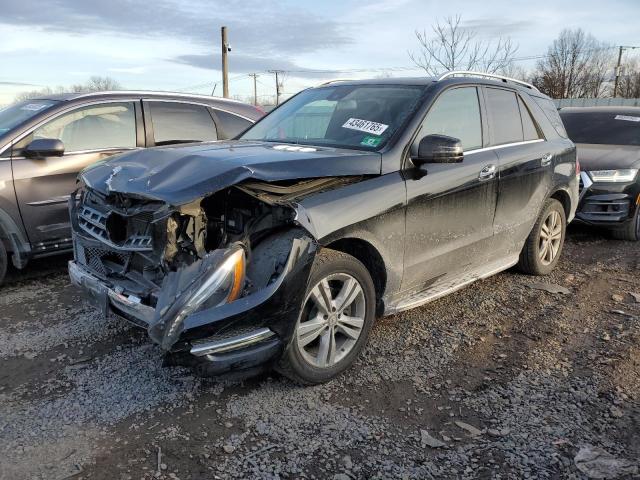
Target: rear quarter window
[551,112]
[232,125]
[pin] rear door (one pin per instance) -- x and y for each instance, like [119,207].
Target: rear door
[171,122]
[90,133]
[525,167]
[450,210]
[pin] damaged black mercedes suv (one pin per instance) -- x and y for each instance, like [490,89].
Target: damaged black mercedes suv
[350,201]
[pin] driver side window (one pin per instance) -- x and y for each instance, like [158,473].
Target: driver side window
[95,127]
[456,113]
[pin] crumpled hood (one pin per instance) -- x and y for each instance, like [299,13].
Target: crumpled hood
[179,175]
[607,157]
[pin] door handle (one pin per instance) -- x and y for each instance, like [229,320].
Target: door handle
[546,159]
[487,173]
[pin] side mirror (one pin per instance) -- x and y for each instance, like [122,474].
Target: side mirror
[438,149]
[44,147]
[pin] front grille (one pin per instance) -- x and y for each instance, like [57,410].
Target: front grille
[95,223]
[93,258]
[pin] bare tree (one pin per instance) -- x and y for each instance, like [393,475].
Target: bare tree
[576,65]
[98,84]
[453,47]
[516,71]
[94,84]
[629,85]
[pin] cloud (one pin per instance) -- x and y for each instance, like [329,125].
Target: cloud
[496,27]
[17,84]
[253,64]
[257,27]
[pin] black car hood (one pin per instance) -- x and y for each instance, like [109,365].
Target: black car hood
[179,175]
[607,157]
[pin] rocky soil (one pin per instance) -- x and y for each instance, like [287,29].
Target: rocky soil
[502,379]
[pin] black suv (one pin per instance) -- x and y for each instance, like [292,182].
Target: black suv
[608,143]
[352,200]
[45,142]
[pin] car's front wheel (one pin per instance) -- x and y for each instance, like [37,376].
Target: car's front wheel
[543,247]
[336,316]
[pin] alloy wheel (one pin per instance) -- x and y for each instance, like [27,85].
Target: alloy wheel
[550,238]
[331,321]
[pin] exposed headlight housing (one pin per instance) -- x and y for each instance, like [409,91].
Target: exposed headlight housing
[616,176]
[221,283]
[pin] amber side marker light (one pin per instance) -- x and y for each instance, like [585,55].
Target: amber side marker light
[238,279]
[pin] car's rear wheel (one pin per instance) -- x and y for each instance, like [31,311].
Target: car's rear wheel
[631,231]
[4,259]
[337,314]
[543,247]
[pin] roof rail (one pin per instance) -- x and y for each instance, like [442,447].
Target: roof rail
[493,76]
[334,80]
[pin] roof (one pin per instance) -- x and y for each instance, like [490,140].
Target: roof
[421,81]
[234,106]
[450,78]
[145,93]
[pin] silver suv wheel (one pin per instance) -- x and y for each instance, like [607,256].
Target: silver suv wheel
[332,319]
[550,238]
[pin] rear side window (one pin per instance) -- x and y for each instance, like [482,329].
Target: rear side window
[175,122]
[231,124]
[456,113]
[551,112]
[529,127]
[504,116]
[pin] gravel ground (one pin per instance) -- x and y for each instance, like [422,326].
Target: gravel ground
[502,379]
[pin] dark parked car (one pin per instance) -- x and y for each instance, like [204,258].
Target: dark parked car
[608,143]
[45,142]
[351,200]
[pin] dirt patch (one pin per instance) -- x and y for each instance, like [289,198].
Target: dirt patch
[513,380]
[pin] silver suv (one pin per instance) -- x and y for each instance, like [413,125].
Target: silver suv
[45,142]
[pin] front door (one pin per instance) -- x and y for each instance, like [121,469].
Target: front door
[89,133]
[450,210]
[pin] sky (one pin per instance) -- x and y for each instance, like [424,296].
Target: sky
[175,44]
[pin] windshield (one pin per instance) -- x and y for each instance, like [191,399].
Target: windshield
[14,115]
[607,128]
[344,116]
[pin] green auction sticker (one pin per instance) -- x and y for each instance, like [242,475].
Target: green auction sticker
[370,141]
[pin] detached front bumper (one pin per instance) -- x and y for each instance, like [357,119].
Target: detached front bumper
[244,334]
[605,204]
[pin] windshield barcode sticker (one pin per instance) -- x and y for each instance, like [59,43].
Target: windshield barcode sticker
[628,118]
[365,126]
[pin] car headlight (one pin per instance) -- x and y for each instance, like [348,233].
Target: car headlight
[624,175]
[221,285]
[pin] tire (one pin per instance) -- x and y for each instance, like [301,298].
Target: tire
[631,231]
[4,260]
[540,256]
[309,358]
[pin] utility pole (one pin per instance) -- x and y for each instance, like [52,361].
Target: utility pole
[225,65]
[618,72]
[255,87]
[277,72]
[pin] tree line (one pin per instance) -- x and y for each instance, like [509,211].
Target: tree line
[576,64]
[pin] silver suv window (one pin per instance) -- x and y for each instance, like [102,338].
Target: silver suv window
[94,127]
